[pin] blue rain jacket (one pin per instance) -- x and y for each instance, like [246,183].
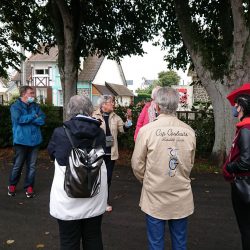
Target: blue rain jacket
[26,121]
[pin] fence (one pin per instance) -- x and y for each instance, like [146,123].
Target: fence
[188,116]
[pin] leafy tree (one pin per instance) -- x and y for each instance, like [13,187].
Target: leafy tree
[78,27]
[214,36]
[167,78]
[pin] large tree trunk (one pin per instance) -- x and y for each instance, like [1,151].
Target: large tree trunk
[67,35]
[218,89]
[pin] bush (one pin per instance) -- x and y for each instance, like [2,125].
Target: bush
[203,126]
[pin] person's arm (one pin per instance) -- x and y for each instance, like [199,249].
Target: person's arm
[242,164]
[138,161]
[52,146]
[120,124]
[18,117]
[140,120]
[40,119]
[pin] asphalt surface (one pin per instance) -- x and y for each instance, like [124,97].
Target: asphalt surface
[25,224]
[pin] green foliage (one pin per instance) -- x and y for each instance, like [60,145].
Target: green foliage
[114,28]
[5,125]
[207,27]
[53,120]
[204,106]
[203,125]
[167,78]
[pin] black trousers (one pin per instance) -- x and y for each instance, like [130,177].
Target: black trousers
[86,230]
[242,213]
[110,164]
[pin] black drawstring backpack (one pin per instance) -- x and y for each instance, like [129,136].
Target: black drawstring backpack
[83,173]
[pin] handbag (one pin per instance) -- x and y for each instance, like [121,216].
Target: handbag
[83,173]
[109,140]
[242,186]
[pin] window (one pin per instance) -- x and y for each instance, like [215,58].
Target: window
[42,71]
[41,95]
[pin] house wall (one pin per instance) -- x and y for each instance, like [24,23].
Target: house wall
[108,72]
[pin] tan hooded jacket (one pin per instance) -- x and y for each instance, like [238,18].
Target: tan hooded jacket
[162,160]
[116,125]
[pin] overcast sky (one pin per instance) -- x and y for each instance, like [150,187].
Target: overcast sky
[148,66]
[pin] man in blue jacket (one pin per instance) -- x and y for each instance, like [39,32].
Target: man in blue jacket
[27,117]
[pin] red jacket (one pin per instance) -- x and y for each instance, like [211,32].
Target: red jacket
[143,119]
[238,161]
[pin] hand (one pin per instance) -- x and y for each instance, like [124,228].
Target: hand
[128,123]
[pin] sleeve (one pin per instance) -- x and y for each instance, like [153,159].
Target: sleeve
[140,121]
[18,117]
[52,146]
[139,157]
[40,120]
[120,124]
[242,164]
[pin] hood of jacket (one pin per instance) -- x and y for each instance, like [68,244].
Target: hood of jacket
[83,126]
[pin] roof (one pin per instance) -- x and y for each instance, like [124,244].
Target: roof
[120,90]
[44,56]
[104,90]
[91,66]
[17,76]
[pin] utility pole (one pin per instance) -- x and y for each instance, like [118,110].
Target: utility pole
[23,68]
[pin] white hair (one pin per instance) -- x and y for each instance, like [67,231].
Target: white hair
[167,99]
[154,92]
[104,98]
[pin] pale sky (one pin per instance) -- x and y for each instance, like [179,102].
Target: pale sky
[148,65]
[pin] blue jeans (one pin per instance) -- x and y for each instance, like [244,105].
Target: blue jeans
[156,233]
[24,154]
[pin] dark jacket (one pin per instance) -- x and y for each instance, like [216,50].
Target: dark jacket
[238,162]
[83,131]
[26,121]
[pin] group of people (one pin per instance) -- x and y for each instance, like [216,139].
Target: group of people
[162,161]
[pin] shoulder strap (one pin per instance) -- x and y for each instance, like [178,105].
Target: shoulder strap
[69,136]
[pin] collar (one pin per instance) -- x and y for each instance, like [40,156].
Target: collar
[245,121]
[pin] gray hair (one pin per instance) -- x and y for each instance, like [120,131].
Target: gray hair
[167,99]
[154,92]
[104,98]
[79,105]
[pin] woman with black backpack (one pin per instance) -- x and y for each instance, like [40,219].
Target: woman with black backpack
[79,219]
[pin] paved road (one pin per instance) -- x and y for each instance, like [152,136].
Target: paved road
[28,223]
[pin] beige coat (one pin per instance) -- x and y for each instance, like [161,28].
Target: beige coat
[115,125]
[162,160]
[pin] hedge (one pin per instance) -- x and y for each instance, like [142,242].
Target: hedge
[203,126]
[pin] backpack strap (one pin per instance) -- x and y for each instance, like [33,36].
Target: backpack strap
[69,136]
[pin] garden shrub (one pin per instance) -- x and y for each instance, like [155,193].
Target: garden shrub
[203,126]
